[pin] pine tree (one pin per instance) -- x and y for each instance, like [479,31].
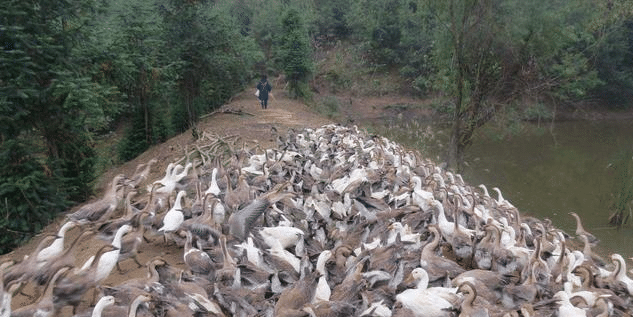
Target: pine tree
[295,54]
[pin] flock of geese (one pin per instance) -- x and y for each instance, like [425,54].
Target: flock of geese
[331,222]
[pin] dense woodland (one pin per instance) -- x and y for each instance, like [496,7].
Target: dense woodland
[74,70]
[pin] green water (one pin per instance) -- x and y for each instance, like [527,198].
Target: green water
[549,173]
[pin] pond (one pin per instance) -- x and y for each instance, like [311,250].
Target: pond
[545,173]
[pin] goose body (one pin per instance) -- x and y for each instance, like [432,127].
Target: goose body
[285,236]
[56,247]
[213,189]
[108,260]
[197,260]
[423,302]
[103,302]
[174,217]
[323,290]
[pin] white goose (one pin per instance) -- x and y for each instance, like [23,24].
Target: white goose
[619,274]
[286,236]
[420,196]
[565,308]
[108,260]
[174,217]
[173,174]
[254,255]
[56,247]
[323,290]
[500,201]
[103,302]
[427,302]
[447,228]
[213,187]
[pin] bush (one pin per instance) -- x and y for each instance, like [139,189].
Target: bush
[30,195]
[329,106]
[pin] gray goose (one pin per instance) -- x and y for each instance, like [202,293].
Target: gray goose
[467,307]
[25,270]
[242,221]
[102,209]
[6,293]
[139,175]
[131,241]
[127,291]
[45,306]
[109,228]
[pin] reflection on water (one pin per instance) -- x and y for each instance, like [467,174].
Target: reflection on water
[548,175]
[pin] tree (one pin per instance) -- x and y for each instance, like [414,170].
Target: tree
[467,56]
[295,54]
[137,67]
[332,18]
[213,59]
[48,108]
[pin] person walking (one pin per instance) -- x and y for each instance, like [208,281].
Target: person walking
[264,88]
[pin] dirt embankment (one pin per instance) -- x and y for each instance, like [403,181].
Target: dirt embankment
[243,121]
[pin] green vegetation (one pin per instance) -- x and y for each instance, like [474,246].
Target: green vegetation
[72,71]
[621,170]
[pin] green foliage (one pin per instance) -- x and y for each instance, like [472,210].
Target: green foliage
[295,54]
[332,19]
[329,106]
[621,171]
[49,99]
[614,64]
[134,140]
[30,197]
[213,60]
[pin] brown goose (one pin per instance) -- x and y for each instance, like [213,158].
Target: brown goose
[235,197]
[589,284]
[436,266]
[196,260]
[229,266]
[45,306]
[580,230]
[467,307]
[292,300]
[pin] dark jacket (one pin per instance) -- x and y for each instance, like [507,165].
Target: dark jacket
[264,89]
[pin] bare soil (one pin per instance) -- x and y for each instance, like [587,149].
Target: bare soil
[241,118]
